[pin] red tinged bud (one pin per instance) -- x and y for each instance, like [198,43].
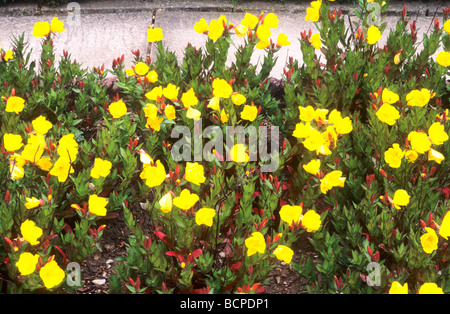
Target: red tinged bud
[7,197]
[376,256]
[422,223]
[383,173]
[236,266]
[436,25]
[369,179]
[62,253]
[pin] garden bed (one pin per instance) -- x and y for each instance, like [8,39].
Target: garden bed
[202,177]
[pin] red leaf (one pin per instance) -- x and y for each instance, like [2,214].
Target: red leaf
[172,253]
[197,252]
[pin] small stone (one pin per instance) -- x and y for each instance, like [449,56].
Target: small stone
[99,282]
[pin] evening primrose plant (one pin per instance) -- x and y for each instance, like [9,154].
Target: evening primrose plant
[361,171]
[386,207]
[56,185]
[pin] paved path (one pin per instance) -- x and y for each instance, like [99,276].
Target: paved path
[102,30]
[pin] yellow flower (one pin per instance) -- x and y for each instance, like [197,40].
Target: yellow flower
[41,29]
[45,164]
[239,153]
[30,232]
[419,142]
[154,34]
[214,103]
[331,180]
[97,205]
[150,111]
[186,200]
[389,97]
[437,134]
[221,88]
[56,25]
[9,55]
[290,214]
[302,130]
[34,148]
[27,263]
[12,142]
[311,221]
[397,59]
[193,113]
[238,99]
[154,174]
[307,113]
[165,203]
[205,216]
[249,113]
[284,253]
[223,116]
[141,68]
[444,230]
[314,141]
[152,76]
[51,274]
[170,112]
[443,58]
[41,125]
[154,124]
[388,114]
[61,169]
[215,30]
[250,20]
[397,288]
[313,13]
[313,166]
[15,104]
[241,30]
[144,157]
[315,41]
[435,156]
[447,27]
[255,243]
[271,20]
[17,172]
[263,44]
[194,173]
[418,98]
[430,288]
[32,202]
[411,155]
[171,91]
[263,32]
[117,109]
[189,99]
[429,241]
[373,35]
[401,198]
[155,93]
[393,156]
[201,26]
[282,40]
[67,147]
[343,125]
[101,168]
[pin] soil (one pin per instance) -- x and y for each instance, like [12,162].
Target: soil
[97,268]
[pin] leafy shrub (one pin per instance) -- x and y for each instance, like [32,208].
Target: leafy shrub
[394,198]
